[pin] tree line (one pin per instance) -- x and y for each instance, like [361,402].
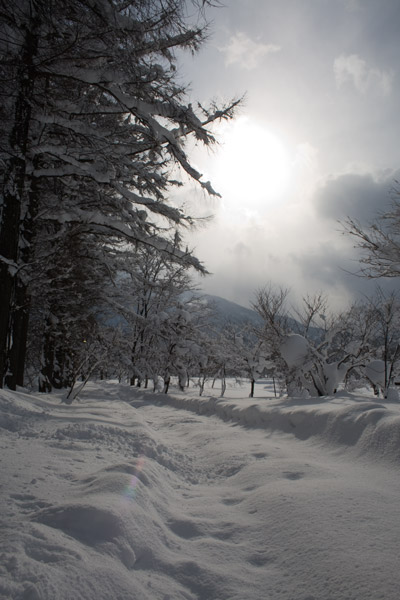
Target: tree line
[94,120]
[307,350]
[94,273]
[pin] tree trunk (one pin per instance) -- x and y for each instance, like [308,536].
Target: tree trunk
[19,328]
[20,318]
[46,371]
[54,371]
[252,388]
[13,196]
[19,321]
[223,382]
[202,381]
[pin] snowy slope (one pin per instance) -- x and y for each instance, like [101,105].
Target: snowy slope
[127,495]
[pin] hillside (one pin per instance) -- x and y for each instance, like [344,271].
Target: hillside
[227,312]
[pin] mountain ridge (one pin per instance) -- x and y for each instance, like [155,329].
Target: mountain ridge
[228,312]
[232,313]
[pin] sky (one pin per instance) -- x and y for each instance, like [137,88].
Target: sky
[315,141]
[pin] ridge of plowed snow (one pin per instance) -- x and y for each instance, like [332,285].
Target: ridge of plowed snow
[352,420]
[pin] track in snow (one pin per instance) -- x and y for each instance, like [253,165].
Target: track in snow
[294,521]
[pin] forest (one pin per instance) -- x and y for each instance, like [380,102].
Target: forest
[95,273]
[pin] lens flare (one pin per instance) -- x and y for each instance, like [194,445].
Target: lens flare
[131,489]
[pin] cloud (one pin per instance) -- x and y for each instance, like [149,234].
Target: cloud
[359,196]
[351,68]
[352,5]
[333,267]
[300,245]
[245,52]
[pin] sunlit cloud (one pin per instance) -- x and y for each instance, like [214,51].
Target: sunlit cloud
[353,69]
[245,52]
[297,244]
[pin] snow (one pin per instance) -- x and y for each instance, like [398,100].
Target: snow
[130,494]
[375,371]
[334,374]
[294,349]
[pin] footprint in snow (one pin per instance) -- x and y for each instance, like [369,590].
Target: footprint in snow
[28,502]
[259,560]
[293,475]
[231,501]
[184,529]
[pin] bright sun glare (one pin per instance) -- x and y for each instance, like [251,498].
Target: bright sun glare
[252,168]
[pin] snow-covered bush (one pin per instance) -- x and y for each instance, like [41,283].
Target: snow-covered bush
[314,352]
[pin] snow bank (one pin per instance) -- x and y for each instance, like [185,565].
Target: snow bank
[351,421]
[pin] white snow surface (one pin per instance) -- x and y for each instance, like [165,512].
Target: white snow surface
[294,349]
[128,494]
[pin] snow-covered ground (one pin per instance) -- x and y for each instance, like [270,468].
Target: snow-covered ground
[133,495]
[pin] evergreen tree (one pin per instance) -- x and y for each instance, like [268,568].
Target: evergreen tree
[94,123]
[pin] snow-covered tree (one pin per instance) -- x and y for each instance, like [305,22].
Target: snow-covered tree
[183,341]
[315,352]
[93,130]
[271,303]
[217,358]
[148,289]
[384,365]
[250,356]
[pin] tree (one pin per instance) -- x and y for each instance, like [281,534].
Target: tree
[150,289]
[316,352]
[271,304]
[183,341]
[94,122]
[71,308]
[379,243]
[384,312]
[249,356]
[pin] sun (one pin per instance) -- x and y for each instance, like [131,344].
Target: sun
[252,168]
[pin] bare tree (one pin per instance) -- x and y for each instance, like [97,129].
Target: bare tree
[384,310]
[312,313]
[271,304]
[379,243]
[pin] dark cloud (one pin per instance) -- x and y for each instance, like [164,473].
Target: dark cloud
[334,267]
[321,265]
[360,197]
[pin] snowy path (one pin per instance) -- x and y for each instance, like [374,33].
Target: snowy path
[284,518]
[110,501]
